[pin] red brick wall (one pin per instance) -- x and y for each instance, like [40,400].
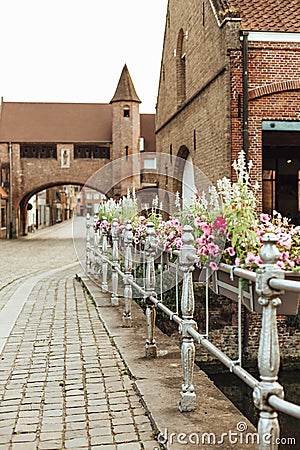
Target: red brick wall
[274,93]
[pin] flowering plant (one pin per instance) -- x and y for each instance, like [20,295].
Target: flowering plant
[139,222]
[288,239]
[226,224]
[122,209]
[170,234]
[240,213]
[245,227]
[204,215]
[229,229]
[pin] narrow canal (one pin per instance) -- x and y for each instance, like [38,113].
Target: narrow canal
[241,396]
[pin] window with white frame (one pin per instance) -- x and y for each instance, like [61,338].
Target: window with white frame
[150,163]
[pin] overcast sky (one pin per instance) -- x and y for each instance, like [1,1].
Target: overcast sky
[74,50]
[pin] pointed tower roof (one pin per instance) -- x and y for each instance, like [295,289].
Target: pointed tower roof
[125,90]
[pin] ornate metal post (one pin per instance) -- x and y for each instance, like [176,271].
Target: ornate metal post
[104,284]
[95,249]
[88,244]
[115,260]
[150,251]
[128,238]
[268,353]
[187,257]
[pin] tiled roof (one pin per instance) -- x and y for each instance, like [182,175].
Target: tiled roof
[65,123]
[262,15]
[55,122]
[125,90]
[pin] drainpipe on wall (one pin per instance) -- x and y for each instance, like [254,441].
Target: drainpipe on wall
[10,232]
[246,150]
[245,95]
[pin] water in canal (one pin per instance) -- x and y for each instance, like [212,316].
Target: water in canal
[241,396]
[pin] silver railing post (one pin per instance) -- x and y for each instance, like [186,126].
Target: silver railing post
[95,249]
[150,251]
[268,353]
[115,263]
[104,284]
[88,244]
[187,257]
[128,238]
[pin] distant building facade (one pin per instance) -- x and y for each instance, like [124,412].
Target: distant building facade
[47,145]
[230,80]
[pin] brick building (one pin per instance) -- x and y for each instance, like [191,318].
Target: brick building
[44,145]
[230,80]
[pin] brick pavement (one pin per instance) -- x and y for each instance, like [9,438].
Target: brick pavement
[63,384]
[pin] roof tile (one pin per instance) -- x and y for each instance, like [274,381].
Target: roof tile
[268,15]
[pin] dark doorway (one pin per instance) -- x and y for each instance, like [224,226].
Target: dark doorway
[281,173]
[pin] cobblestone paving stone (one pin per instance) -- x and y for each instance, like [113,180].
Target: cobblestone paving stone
[63,384]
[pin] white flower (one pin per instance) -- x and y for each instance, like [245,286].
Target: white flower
[177,201]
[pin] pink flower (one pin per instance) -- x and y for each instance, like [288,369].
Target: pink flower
[284,256]
[285,240]
[220,222]
[201,240]
[265,218]
[213,265]
[213,249]
[230,251]
[202,251]
[197,221]
[178,243]
[205,228]
[171,235]
[250,258]
[174,223]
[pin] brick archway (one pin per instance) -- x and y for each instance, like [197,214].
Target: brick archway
[22,212]
[31,175]
[274,88]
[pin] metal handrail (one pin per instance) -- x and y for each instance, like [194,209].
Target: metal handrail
[278,403]
[274,283]
[267,393]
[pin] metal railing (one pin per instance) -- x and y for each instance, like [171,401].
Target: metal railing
[268,394]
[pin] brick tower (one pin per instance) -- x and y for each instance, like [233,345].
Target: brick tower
[125,134]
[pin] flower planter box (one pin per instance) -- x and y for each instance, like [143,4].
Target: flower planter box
[222,284]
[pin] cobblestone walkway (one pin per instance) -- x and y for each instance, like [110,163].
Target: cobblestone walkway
[63,384]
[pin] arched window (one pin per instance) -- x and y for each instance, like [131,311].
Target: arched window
[184,176]
[188,182]
[180,69]
[126,111]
